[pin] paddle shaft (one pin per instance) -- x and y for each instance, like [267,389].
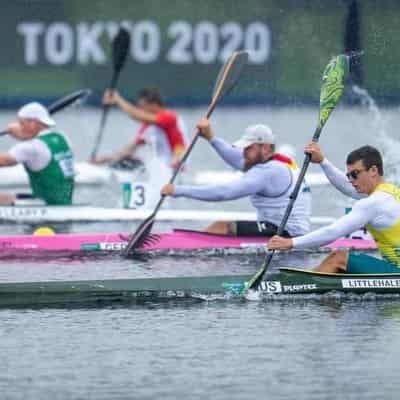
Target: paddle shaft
[185,156]
[296,190]
[67,100]
[106,109]
[62,103]
[226,80]
[332,89]
[289,208]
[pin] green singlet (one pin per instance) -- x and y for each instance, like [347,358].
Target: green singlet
[55,183]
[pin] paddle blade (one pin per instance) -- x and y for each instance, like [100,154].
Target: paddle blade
[138,239]
[68,100]
[256,280]
[332,88]
[63,103]
[229,75]
[120,47]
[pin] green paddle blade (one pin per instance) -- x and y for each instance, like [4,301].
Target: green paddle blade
[332,87]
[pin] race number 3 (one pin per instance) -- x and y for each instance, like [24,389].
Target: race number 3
[138,195]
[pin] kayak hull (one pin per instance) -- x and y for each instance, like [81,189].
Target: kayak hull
[178,240]
[286,281]
[299,281]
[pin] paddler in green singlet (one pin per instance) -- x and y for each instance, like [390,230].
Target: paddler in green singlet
[45,154]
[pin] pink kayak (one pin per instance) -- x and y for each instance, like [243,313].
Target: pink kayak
[183,240]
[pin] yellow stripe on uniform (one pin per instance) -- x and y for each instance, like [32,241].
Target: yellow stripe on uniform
[388,240]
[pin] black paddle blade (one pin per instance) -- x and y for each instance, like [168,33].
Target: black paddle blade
[229,74]
[68,100]
[120,47]
[63,102]
[138,239]
[352,41]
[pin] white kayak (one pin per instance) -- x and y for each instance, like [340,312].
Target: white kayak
[94,175]
[86,174]
[86,213]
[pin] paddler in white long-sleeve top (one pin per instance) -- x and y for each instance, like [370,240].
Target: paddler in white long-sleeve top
[268,180]
[378,209]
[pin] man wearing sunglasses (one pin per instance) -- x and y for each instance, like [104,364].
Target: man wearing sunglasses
[378,209]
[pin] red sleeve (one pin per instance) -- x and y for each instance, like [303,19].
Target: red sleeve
[166,119]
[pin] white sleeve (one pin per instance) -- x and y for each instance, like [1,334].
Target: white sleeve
[338,179]
[230,154]
[34,153]
[361,214]
[251,182]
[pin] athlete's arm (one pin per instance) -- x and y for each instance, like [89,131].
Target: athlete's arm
[135,112]
[270,182]
[113,97]
[230,154]
[117,155]
[339,180]
[248,184]
[7,160]
[33,153]
[123,152]
[362,212]
[335,176]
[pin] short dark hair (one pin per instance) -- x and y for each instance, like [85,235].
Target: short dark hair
[369,156]
[151,95]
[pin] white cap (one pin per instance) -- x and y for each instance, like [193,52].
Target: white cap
[36,111]
[255,134]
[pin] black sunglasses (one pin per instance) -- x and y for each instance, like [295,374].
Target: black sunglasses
[354,174]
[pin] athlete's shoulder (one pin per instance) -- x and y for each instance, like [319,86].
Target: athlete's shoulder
[272,169]
[166,117]
[52,136]
[376,199]
[273,166]
[28,144]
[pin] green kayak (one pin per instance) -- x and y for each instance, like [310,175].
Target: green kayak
[285,281]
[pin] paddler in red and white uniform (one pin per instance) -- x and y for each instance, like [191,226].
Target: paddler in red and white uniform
[268,179]
[161,128]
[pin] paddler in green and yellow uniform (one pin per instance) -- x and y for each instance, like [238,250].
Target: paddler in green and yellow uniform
[45,154]
[378,209]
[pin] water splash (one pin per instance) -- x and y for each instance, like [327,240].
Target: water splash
[389,146]
[253,295]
